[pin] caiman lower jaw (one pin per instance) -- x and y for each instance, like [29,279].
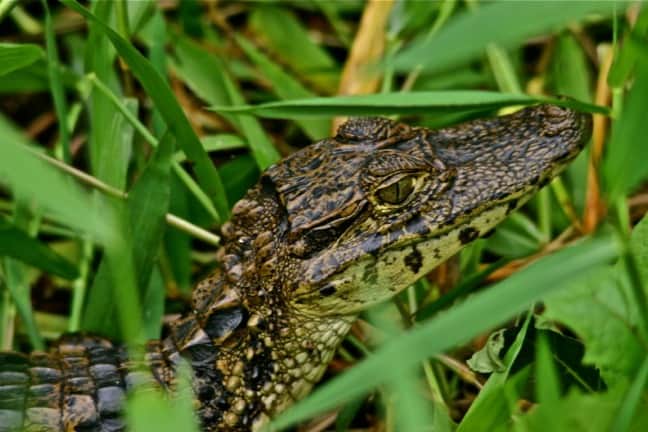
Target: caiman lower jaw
[377,277]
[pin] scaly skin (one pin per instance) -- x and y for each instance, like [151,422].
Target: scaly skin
[332,229]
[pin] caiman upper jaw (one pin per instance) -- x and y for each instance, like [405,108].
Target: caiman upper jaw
[374,209]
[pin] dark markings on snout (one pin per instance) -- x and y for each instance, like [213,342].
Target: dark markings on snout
[414,260]
[467,235]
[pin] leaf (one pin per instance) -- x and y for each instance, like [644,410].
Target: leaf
[17,244]
[578,413]
[17,56]
[501,22]
[624,166]
[148,203]
[477,314]
[158,90]
[491,408]
[487,359]
[615,347]
[400,103]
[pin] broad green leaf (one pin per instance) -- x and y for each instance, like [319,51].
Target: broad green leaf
[578,412]
[624,166]
[17,244]
[400,103]
[615,348]
[160,92]
[148,203]
[17,56]
[477,314]
[504,23]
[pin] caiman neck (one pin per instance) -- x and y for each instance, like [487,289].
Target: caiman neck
[252,353]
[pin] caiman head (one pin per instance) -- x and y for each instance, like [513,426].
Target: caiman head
[364,214]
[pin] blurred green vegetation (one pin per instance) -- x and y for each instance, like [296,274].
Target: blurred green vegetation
[119,117]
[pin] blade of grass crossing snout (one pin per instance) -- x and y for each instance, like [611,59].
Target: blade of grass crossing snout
[400,103]
[17,56]
[148,203]
[505,23]
[478,313]
[161,94]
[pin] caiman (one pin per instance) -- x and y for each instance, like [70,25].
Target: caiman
[327,232]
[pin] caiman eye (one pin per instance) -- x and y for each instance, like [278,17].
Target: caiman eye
[396,192]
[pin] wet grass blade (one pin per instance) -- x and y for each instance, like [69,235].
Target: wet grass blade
[18,56]
[504,23]
[161,94]
[481,312]
[401,103]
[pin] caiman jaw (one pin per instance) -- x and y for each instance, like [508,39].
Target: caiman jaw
[455,185]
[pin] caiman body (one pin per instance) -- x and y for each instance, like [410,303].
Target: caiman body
[332,229]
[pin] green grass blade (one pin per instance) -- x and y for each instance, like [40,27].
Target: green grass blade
[148,203]
[17,244]
[477,314]
[281,32]
[504,23]
[161,94]
[18,56]
[490,409]
[56,85]
[285,87]
[67,201]
[633,398]
[624,166]
[208,78]
[431,102]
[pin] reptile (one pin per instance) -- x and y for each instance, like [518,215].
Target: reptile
[330,230]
